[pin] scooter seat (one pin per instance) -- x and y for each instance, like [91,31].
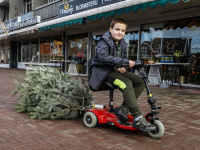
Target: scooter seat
[105,86]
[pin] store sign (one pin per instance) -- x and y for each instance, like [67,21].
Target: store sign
[15,23]
[11,24]
[7,24]
[77,6]
[30,21]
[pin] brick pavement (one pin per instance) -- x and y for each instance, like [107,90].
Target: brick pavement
[180,115]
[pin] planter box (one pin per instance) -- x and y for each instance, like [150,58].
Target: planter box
[164,85]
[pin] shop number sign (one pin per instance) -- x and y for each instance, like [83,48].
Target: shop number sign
[77,6]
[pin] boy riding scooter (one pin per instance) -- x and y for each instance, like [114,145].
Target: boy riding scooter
[111,49]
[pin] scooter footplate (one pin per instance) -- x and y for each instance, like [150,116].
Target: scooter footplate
[124,124]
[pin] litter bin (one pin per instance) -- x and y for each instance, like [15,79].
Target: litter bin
[181,79]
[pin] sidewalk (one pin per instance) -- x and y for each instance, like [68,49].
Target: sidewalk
[180,114]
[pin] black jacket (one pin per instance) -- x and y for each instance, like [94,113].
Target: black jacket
[106,53]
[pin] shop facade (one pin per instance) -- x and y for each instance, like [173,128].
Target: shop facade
[152,32]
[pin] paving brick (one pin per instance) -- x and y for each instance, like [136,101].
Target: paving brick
[179,114]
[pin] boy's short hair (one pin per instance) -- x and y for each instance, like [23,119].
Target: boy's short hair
[118,20]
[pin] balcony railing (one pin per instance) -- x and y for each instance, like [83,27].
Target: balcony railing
[27,16]
[48,11]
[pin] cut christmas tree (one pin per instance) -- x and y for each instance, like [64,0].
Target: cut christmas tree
[48,94]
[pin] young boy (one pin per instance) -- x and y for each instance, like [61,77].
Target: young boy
[111,48]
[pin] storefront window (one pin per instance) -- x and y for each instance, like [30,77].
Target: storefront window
[150,45]
[5,53]
[95,40]
[131,39]
[166,42]
[25,52]
[29,51]
[19,52]
[51,48]
[77,53]
[185,40]
[45,50]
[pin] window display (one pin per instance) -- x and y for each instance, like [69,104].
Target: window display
[77,52]
[5,53]
[56,45]
[45,50]
[51,49]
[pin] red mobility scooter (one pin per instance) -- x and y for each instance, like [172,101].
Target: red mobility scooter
[100,114]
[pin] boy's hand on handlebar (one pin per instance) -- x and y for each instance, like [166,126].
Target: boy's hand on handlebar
[121,70]
[131,63]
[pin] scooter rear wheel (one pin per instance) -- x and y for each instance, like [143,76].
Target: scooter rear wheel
[158,133]
[90,119]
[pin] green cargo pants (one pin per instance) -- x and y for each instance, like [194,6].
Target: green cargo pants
[131,86]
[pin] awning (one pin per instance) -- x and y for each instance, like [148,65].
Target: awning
[135,8]
[80,17]
[110,10]
[15,33]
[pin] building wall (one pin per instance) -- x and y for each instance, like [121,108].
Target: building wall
[15,8]
[38,3]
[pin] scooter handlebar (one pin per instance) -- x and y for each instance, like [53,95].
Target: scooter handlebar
[138,64]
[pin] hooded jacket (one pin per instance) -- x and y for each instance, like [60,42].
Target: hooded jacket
[106,53]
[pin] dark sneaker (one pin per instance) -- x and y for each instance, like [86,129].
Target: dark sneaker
[121,114]
[143,125]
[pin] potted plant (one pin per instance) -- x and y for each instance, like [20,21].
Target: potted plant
[166,59]
[157,59]
[171,59]
[163,59]
[145,60]
[178,55]
[164,84]
[151,60]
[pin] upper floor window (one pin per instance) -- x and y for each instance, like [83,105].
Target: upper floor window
[6,15]
[28,5]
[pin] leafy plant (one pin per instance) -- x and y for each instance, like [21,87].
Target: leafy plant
[178,53]
[48,94]
[158,58]
[151,59]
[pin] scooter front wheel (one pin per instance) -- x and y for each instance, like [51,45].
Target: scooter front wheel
[158,133]
[90,119]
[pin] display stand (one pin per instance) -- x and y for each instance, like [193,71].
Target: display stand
[174,72]
[72,68]
[154,74]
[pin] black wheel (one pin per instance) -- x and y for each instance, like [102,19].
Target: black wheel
[158,133]
[90,119]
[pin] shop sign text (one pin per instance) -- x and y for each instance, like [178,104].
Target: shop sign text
[29,22]
[16,23]
[77,6]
